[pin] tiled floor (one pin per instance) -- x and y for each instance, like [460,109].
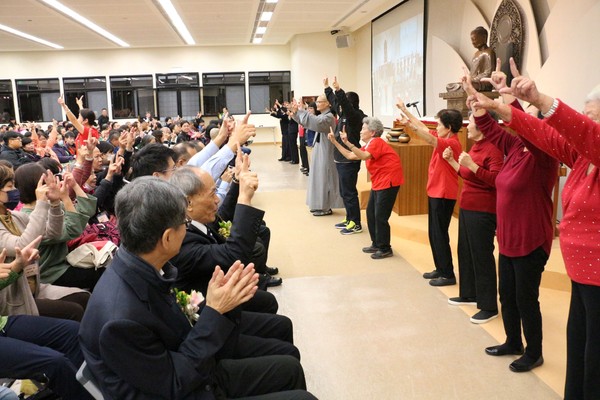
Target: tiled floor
[375,329]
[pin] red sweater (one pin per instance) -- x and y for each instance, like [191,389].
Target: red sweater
[479,190]
[524,192]
[384,166]
[574,140]
[442,182]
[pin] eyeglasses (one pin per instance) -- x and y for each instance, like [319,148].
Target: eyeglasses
[321,101]
[165,171]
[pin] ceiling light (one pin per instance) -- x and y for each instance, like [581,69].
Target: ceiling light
[257,40]
[30,37]
[261,29]
[85,22]
[176,20]
[266,16]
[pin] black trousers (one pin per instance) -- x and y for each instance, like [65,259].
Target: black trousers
[285,147]
[69,307]
[440,215]
[263,302]
[303,152]
[476,262]
[348,176]
[265,334]
[379,210]
[293,146]
[43,348]
[519,286]
[268,378]
[84,278]
[583,343]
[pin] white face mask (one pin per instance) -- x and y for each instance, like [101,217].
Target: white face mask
[61,143]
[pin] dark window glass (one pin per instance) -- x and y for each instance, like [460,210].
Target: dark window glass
[224,90]
[7,104]
[37,99]
[266,87]
[131,96]
[93,90]
[178,95]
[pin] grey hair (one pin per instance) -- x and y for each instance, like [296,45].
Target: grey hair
[374,125]
[185,178]
[594,95]
[145,209]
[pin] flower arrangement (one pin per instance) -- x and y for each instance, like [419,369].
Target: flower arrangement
[225,228]
[189,303]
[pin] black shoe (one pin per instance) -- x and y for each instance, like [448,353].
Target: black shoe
[379,254]
[504,350]
[272,271]
[283,159]
[484,316]
[303,169]
[274,282]
[441,281]
[462,301]
[294,162]
[320,213]
[525,363]
[431,275]
[370,249]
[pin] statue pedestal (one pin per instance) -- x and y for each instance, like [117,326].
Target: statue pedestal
[458,100]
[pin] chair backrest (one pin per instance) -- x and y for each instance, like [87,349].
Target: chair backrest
[84,376]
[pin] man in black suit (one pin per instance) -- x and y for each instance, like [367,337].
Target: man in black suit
[135,338]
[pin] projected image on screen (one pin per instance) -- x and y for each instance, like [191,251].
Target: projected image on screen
[397,59]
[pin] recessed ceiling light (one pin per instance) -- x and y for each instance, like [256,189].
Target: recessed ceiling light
[176,20]
[261,29]
[85,22]
[30,37]
[266,16]
[257,40]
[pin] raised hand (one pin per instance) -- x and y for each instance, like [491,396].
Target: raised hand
[226,292]
[467,83]
[331,136]
[481,101]
[29,253]
[91,143]
[344,136]
[498,78]
[61,101]
[326,82]
[522,87]
[53,194]
[79,101]
[244,131]
[248,181]
[400,105]
[335,85]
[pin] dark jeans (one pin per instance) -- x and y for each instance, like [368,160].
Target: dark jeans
[476,262]
[379,210]
[43,348]
[303,152]
[348,176]
[583,343]
[440,215]
[519,286]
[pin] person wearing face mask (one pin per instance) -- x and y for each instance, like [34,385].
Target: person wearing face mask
[26,294]
[62,152]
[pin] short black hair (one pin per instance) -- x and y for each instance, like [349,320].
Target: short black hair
[88,115]
[10,135]
[151,158]
[27,177]
[451,119]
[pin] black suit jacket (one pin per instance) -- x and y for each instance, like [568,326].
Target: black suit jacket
[138,343]
[200,253]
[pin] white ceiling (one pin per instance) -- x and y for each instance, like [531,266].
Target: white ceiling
[141,23]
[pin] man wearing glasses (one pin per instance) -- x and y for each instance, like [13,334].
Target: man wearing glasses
[11,150]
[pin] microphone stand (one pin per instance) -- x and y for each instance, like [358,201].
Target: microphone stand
[416,108]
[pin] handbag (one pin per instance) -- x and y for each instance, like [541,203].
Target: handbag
[92,255]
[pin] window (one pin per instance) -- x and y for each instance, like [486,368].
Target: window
[7,105]
[224,90]
[131,96]
[93,90]
[266,87]
[178,95]
[37,99]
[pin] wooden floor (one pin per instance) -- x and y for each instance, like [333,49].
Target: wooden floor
[372,329]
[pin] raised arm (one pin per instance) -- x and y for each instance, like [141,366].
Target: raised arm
[72,118]
[416,125]
[354,153]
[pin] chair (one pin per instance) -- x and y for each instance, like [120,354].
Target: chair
[84,376]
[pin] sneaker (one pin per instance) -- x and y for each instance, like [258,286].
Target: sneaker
[462,301]
[442,281]
[351,228]
[379,254]
[341,225]
[484,316]
[371,249]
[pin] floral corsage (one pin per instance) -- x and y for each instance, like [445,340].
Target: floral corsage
[225,228]
[189,304]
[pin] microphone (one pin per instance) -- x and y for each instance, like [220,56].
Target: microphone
[414,103]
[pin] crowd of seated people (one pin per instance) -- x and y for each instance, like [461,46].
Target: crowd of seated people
[54,201]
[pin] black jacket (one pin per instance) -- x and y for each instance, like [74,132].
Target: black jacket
[349,117]
[15,157]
